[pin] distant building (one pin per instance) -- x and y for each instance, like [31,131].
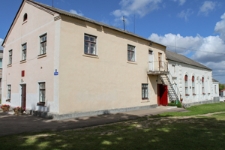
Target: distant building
[191,80]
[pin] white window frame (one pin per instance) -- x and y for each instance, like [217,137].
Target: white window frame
[24,51]
[42,92]
[43,44]
[90,44]
[144,90]
[10,56]
[131,48]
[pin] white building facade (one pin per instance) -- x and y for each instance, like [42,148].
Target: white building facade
[191,80]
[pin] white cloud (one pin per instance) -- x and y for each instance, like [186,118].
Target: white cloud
[206,50]
[220,27]
[1,40]
[185,14]
[206,7]
[140,7]
[181,2]
[75,12]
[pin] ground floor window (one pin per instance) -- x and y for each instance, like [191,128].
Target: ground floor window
[144,91]
[42,92]
[9,92]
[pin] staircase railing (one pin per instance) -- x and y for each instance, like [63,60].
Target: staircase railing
[175,84]
[158,66]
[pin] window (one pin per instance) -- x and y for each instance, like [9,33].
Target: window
[90,44]
[0,62]
[25,17]
[24,51]
[186,85]
[10,57]
[131,53]
[215,89]
[203,86]
[144,91]
[43,44]
[42,92]
[9,92]
[193,85]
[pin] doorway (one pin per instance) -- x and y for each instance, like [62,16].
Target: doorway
[162,94]
[23,96]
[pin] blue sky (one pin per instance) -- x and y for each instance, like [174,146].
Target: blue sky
[195,28]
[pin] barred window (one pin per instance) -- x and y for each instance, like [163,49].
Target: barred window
[24,51]
[43,44]
[131,53]
[144,91]
[10,57]
[42,92]
[9,92]
[90,44]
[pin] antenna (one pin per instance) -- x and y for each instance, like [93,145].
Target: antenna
[134,23]
[52,3]
[123,23]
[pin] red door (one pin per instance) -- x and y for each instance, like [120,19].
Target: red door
[162,95]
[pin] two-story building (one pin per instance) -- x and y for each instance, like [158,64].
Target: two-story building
[70,66]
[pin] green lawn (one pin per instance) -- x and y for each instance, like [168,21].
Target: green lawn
[176,133]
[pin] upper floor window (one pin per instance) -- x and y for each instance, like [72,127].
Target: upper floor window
[186,84]
[90,44]
[10,57]
[24,51]
[130,53]
[43,44]
[0,62]
[25,17]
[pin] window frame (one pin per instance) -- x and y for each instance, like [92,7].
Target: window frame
[203,86]
[25,17]
[24,50]
[144,91]
[43,44]
[41,90]
[10,57]
[186,85]
[9,92]
[193,85]
[130,51]
[90,44]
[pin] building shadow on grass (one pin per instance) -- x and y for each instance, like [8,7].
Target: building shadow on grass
[141,133]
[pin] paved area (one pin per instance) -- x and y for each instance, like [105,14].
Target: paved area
[12,124]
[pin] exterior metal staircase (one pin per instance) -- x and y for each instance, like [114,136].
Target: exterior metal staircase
[173,96]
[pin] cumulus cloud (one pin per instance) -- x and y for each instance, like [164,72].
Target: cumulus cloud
[1,40]
[185,14]
[139,7]
[75,12]
[220,27]
[206,7]
[206,50]
[181,2]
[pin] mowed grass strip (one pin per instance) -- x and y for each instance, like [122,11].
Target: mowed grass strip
[201,133]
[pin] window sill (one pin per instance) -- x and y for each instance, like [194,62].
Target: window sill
[41,104]
[91,56]
[23,61]
[145,100]
[42,55]
[24,22]
[132,62]
[9,65]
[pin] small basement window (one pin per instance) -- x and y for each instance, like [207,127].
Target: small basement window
[25,17]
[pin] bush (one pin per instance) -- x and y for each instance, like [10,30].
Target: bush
[175,103]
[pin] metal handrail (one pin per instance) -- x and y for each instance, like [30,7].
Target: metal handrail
[174,83]
[158,66]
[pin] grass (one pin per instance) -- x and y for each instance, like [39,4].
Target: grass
[175,133]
